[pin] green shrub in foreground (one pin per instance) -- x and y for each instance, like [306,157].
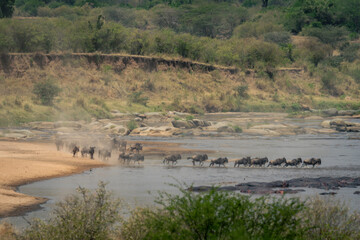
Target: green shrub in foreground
[86,215]
[330,220]
[209,215]
[216,215]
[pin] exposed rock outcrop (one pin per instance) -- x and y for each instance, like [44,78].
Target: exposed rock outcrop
[281,187]
[190,123]
[156,131]
[341,125]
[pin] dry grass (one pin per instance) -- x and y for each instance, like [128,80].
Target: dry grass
[7,231]
[167,88]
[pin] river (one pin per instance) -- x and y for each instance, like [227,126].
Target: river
[139,184]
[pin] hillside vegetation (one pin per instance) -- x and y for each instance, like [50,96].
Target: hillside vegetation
[289,55]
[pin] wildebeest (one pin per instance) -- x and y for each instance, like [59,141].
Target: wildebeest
[171,158]
[125,156]
[71,146]
[243,161]
[219,161]
[312,161]
[137,158]
[277,162]
[104,154]
[259,161]
[75,151]
[199,158]
[118,144]
[85,151]
[138,147]
[91,152]
[293,162]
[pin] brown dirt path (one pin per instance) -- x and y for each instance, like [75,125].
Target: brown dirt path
[23,162]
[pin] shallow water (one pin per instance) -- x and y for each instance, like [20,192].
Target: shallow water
[138,184]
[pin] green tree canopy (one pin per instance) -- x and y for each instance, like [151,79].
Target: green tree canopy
[6,8]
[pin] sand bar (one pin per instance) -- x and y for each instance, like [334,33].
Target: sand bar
[24,162]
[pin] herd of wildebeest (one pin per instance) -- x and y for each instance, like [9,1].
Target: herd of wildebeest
[132,153]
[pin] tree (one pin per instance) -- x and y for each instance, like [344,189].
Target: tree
[314,13]
[6,8]
[85,215]
[46,91]
[265,3]
[349,12]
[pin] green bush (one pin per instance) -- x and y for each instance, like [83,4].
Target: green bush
[85,215]
[195,109]
[315,51]
[280,38]
[136,97]
[256,29]
[330,82]
[331,220]
[237,129]
[46,91]
[209,215]
[242,90]
[189,117]
[215,215]
[350,52]
[328,35]
[27,107]
[355,74]
[131,125]
[262,54]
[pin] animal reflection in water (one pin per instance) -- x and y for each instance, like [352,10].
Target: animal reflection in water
[128,157]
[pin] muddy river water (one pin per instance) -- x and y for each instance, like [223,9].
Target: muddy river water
[138,184]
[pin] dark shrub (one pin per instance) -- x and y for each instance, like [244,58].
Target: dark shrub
[280,38]
[241,91]
[330,81]
[46,91]
[328,35]
[350,52]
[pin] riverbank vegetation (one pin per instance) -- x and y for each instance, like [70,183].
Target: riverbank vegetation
[209,215]
[284,55]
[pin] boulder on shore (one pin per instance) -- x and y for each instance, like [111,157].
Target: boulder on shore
[164,131]
[341,125]
[190,123]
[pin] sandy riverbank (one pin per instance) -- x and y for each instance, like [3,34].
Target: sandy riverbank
[23,162]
